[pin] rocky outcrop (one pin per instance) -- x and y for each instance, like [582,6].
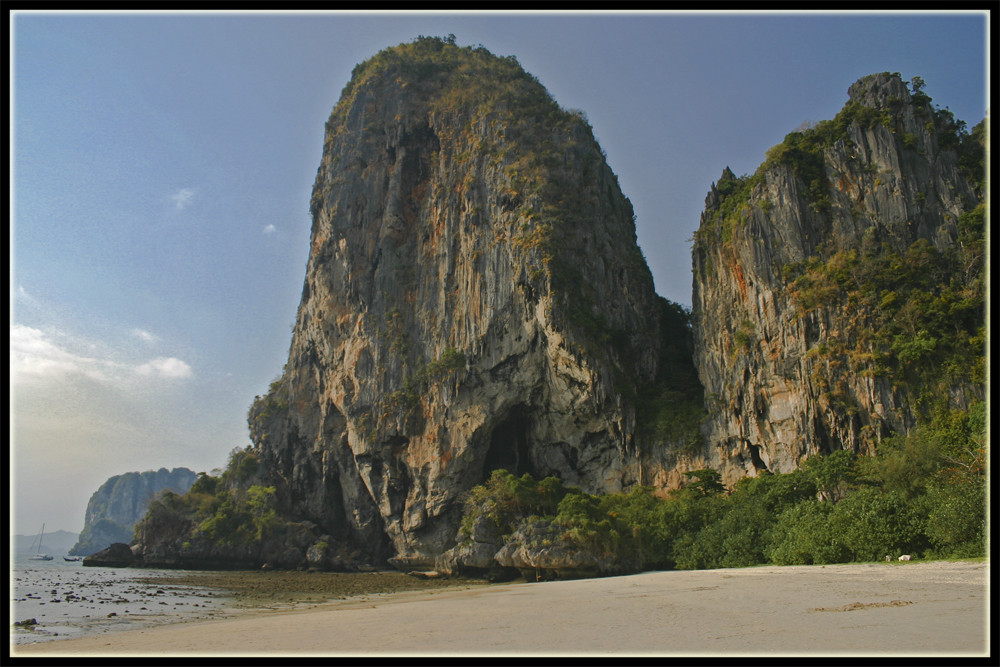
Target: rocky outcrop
[115,508]
[114,555]
[786,371]
[474,299]
[539,550]
[293,547]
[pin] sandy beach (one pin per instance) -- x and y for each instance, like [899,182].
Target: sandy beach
[878,609]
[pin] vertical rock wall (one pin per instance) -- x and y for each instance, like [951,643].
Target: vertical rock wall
[880,180]
[474,299]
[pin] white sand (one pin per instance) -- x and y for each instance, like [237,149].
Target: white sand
[916,608]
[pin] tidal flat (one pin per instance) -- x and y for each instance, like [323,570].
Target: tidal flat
[275,589]
[56,601]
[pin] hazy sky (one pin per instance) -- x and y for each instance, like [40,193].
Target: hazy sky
[163,163]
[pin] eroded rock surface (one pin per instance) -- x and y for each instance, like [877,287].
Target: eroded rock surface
[788,379]
[474,299]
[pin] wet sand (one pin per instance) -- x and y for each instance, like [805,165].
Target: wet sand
[879,609]
[257,590]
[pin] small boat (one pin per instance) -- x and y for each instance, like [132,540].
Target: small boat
[72,558]
[38,550]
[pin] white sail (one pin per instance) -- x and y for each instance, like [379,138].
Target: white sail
[38,555]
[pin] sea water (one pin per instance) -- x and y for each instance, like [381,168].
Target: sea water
[67,600]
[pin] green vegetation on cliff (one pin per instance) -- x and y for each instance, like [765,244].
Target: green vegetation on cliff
[919,316]
[923,495]
[226,511]
[121,501]
[802,152]
[670,410]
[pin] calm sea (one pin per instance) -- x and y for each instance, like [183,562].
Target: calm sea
[67,599]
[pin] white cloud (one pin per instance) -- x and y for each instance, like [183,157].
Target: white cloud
[37,356]
[33,356]
[270,229]
[183,198]
[80,404]
[169,367]
[145,336]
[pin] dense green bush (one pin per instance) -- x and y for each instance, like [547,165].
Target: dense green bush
[227,510]
[922,494]
[956,520]
[873,523]
[505,500]
[804,535]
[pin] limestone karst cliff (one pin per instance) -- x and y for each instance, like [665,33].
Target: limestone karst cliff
[122,500]
[838,290]
[474,299]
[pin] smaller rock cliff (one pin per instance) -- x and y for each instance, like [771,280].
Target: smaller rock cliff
[838,291]
[115,508]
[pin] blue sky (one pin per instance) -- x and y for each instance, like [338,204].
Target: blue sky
[163,162]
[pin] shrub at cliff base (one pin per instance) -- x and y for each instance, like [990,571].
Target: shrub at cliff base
[874,522]
[923,494]
[803,535]
[223,521]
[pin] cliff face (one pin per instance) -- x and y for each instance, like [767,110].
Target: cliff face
[474,299]
[798,276]
[123,500]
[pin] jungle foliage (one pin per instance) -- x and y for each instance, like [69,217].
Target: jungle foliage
[919,316]
[227,510]
[671,409]
[802,151]
[922,494]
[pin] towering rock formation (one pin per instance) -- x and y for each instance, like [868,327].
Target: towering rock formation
[474,299]
[114,509]
[802,338]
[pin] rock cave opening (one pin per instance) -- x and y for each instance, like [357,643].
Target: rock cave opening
[755,457]
[509,444]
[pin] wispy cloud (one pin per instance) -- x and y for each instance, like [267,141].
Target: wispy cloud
[183,198]
[38,356]
[270,229]
[145,336]
[168,367]
[34,356]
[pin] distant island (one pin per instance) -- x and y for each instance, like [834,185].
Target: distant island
[56,542]
[122,500]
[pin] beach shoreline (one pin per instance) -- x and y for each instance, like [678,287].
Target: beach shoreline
[916,608]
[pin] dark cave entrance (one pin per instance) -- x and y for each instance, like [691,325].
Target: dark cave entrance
[509,446]
[755,458]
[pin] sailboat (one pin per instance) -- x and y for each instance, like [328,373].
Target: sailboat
[38,555]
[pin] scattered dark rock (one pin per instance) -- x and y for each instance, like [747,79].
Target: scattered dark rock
[117,555]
